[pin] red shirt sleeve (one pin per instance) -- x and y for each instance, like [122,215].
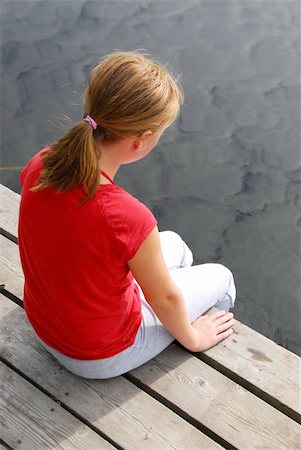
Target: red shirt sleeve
[131,222]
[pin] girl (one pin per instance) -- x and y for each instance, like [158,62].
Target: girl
[105,291]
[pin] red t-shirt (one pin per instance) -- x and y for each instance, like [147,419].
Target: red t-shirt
[79,293]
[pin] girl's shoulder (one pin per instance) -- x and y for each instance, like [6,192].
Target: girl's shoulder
[121,207]
[129,220]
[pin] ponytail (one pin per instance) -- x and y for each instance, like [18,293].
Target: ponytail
[72,161]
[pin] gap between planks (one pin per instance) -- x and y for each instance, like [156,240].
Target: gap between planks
[9,236]
[4,445]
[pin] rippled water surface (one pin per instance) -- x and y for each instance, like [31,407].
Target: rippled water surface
[226,176]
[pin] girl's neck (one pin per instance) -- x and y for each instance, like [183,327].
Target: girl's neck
[109,172]
[125,151]
[108,164]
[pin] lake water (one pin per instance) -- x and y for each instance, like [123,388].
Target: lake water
[226,176]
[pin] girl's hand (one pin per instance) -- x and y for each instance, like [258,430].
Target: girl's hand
[212,329]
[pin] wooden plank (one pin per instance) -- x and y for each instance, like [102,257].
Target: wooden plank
[267,366]
[10,267]
[116,407]
[30,419]
[238,416]
[9,210]
[262,363]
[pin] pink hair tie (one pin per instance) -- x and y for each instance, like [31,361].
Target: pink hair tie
[91,121]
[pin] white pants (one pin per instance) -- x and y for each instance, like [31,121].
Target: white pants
[202,286]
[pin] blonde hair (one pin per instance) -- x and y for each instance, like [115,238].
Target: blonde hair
[127,93]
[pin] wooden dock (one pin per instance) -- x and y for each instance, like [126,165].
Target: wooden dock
[242,394]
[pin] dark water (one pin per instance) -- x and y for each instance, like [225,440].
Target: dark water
[226,176]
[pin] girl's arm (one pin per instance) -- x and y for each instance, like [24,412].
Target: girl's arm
[149,269]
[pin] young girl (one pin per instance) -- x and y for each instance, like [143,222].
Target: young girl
[105,291]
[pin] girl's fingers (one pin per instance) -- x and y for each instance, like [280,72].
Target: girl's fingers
[218,314]
[223,319]
[225,326]
[224,335]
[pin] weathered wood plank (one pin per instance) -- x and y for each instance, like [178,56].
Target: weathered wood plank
[9,210]
[116,407]
[276,370]
[238,416]
[261,362]
[30,419]
[10,267]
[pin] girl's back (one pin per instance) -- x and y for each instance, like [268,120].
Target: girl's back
[79,292]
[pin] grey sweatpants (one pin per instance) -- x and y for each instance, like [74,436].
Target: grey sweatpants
[202,286]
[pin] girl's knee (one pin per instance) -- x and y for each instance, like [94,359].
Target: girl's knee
[224,270]
[171,241]
[170,235]
[224,277]
[230,289]
[176,251]
[219,269]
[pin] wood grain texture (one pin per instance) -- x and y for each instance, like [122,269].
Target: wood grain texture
[116,407]
[232,412]
[9,210]
[31,420]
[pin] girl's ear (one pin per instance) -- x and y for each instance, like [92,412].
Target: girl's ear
[139,141]
[136,144]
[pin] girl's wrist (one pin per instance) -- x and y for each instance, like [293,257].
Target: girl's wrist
[193,340]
